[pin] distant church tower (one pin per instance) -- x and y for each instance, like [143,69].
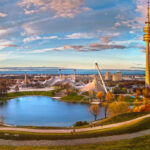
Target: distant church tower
[147,40]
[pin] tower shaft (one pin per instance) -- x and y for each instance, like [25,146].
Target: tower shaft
[147,40]
[147,79]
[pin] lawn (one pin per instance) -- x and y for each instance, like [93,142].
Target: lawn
[132,144]
[28,93]
[130,128]
[74,97]
[121,118]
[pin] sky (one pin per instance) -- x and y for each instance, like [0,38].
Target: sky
[72,33]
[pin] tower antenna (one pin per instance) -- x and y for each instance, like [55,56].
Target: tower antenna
[148,12]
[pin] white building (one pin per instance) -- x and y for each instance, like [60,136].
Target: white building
[107,76]
[117,76]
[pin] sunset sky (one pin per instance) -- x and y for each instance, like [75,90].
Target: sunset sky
[72,33]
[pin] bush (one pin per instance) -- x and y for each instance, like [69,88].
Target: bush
[81,123]
[117,108]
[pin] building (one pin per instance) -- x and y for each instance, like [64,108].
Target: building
[107,76]
[147,40]
[117,76]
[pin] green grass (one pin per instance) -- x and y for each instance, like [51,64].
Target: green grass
[28,93]
[130,128]
[121,118]
[131,144]
[74,97]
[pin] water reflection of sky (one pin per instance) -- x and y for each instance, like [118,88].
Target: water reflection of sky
[44,111]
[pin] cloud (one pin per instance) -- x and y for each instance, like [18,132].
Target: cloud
[35,38]
[8,43]
[61,8]
[108,38]
[141,6]
[137,68]
[5,43]
[99,19]
[74,47]
[80,36]
[2,14]
[93,47]
[4,57]
[39,51]
[6,31]
[7,56]
[106,46]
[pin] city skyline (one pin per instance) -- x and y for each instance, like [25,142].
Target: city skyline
[72,33]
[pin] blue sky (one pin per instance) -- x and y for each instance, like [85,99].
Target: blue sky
[72,33]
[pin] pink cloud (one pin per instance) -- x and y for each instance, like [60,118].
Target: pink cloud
[61,8]
[3,14]
[141,6]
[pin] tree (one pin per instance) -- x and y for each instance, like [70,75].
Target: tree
[146,95]
[95,110]
[68,88]
[4,87]
[17,88]
[117,108]
[137,93]
[109,98]
[120,98]
[100,95]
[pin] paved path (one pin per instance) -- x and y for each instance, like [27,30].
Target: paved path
[70,130]
[74,142]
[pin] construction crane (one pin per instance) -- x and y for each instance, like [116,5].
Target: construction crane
[101,78]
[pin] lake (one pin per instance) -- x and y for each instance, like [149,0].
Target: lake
[44,111]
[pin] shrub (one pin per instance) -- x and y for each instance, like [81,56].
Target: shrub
[81,123]
[117,108]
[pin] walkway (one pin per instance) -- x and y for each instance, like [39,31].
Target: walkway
[74,142]
[70,130]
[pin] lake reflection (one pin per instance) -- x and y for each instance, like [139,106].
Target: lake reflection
[44,111]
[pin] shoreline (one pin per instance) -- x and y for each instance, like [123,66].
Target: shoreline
[36,92]
[69,130]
